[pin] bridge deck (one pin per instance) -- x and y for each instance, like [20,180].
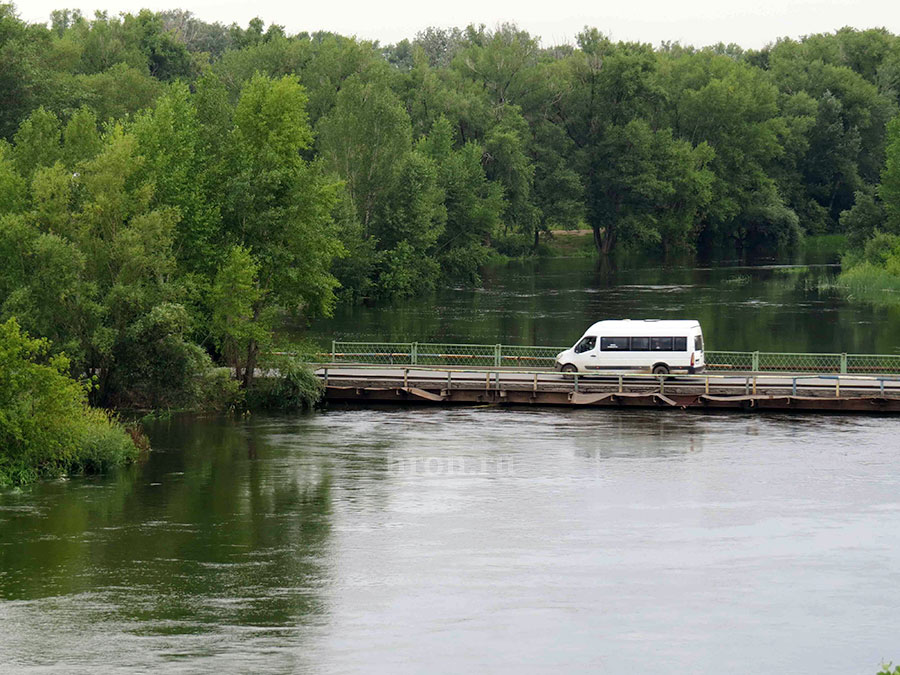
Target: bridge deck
[714,391]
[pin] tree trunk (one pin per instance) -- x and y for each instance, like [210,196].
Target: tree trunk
[252,353]
[598,238]
[250,368]
[604,238]
[609,239]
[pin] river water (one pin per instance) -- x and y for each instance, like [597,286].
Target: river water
[391,540]
[785,306]
[466,540]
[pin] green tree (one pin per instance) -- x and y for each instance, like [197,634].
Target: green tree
[12,185]
[37,142]
[362,138]
[46,427]
[734,109]
[889,189]
[654,191]
[237,324]
[862,221]
[24,77]
[473,204]
[279,206]
[81,139]
[170,143]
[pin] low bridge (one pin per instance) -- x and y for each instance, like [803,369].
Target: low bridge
[447,374]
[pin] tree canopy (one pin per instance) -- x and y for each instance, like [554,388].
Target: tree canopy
[170,187]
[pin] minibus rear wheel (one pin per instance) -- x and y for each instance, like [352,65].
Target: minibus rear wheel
[660,369]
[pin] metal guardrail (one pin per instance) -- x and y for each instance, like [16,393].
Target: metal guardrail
[749,382]
[442,354]
[518,356]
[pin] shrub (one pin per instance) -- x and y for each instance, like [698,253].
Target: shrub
[218,391]
[290,384]
[47,428]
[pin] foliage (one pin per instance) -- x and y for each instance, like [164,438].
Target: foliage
[290,384]
[46,426]
[889,189]
[235,299]
[871,269]
[171,189]
[657,149]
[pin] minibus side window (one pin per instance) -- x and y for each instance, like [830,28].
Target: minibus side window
[617,344]
[640,344]
[661,344]
[698,343]
[680,344]
[586,345]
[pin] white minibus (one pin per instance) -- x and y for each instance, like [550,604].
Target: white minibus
[646,345]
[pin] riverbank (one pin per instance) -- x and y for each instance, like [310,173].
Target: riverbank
[568,244]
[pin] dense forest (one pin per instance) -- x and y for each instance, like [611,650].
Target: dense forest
[170,189]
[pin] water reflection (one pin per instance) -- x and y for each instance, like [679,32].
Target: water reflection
[213,531]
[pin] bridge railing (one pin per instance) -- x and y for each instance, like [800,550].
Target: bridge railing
[523,356]
[443,354]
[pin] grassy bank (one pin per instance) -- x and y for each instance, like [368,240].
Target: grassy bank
[869,283]
[568,244]
[47,429]
[872,274]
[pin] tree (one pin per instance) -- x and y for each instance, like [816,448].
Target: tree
[473,204]
[12,185]
[46,428]
[889,189]
[24,78]
[407,227]
[734,109]
[169,140]
[37,142]
[81,140]
[845,143]
[647,187]
[277,205]
[362,138]
[862,221]
[237,325]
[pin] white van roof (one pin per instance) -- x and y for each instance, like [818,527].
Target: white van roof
[642,327]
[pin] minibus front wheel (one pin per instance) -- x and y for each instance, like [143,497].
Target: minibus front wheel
[569,368]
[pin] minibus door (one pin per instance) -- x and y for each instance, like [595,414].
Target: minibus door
[586,353]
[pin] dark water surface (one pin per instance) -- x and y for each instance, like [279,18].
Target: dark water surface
[767,306]
[466,540]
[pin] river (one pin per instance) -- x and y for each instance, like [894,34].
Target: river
[391,540]
[765,305]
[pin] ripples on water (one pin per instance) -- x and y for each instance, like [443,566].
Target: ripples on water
[460,540]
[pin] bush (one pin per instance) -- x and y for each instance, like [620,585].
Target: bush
[463,264]
[158,366]
[870,283]
[218,391]
[513,244]
[47,428]
[883,249]
[291,384]
[406,272]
